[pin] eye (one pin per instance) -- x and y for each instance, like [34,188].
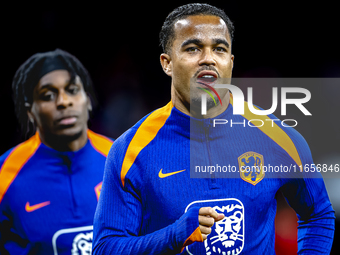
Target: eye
[220,49]
[47,96]
[73,89]
[192,49]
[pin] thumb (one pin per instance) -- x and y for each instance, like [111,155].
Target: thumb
[219,217]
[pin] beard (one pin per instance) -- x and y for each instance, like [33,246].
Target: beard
[196,102]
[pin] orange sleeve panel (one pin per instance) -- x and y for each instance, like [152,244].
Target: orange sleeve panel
[100,143]
[196,236]
[144,135]
[15,161]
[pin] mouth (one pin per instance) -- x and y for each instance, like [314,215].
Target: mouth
[207,77]
[67,121]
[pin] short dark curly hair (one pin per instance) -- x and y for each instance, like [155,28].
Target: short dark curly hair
[166,36]
[27,77]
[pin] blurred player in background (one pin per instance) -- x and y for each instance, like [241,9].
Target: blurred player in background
[50,184]
[150,205]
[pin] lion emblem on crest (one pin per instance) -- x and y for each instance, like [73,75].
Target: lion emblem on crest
[251,167]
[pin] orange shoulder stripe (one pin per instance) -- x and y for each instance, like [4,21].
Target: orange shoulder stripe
[273,132]
[144,135]
[101,143]
[15,161]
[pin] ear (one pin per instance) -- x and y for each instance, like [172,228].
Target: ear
[89,105]
[166,63]
[232,61]
[29,112]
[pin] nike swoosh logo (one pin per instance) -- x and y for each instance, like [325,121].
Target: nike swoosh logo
[32,208]
[161,175]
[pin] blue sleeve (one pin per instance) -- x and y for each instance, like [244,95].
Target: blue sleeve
[309,198]
[11,241]
[118,217]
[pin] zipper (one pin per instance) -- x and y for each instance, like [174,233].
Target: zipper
[68,163]
[212,179]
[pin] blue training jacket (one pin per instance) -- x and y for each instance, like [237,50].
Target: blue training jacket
[48,198]
[162,170]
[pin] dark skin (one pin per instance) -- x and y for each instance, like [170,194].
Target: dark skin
[201,43]
[60,111]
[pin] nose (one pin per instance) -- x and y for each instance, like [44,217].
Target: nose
[63,100]
[207,58]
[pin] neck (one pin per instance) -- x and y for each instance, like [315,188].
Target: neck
[64,143]
[184,106]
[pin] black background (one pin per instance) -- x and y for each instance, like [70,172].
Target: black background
[118,44]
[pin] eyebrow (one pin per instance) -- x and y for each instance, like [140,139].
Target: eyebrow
[191,41]
[221,41]
[199,42]
[46,86]
[51,86]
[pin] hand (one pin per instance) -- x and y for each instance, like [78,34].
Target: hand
[206,219]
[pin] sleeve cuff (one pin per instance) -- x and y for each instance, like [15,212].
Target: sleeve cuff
[196,236]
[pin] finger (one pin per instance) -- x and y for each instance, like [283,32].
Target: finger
[205,211]
[220,217]
[206,221]
[205,230]
[216,216]
[204,236]
[208,211]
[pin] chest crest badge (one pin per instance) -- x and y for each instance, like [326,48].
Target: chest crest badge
[251,167]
